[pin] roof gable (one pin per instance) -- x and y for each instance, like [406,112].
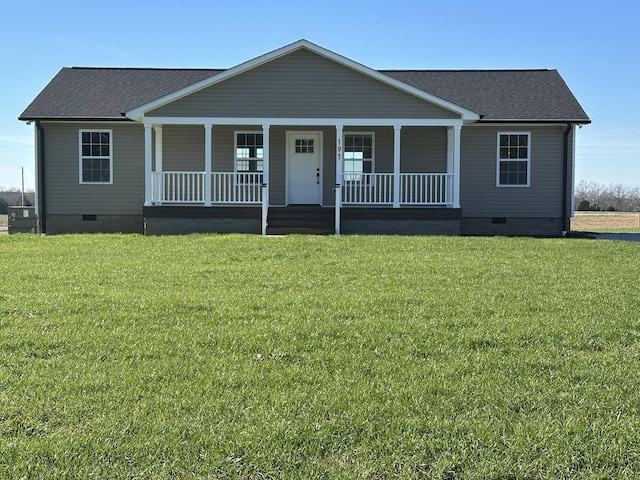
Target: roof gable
[464,113]
[301,84]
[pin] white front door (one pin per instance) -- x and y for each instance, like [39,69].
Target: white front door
[304,168]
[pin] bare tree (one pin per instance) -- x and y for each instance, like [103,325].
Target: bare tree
[591,195]
[615,196]
[633,195]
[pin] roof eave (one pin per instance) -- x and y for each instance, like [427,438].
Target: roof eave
[579,121]
[73,119]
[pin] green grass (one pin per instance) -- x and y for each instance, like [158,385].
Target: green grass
[318,357]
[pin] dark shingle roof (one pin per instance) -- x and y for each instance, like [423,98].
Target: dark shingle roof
[96,93]
[518,95]
[500,94]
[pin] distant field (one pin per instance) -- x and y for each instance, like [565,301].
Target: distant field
[606,222]
[3,220]
[307,357]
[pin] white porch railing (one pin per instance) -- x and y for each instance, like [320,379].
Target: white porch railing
[236,187]
[188,187]
[367,188]
[173,187]
[415,189]
[425,188]
[179,187]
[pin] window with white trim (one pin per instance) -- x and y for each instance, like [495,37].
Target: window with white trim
[96,156]
[514,159]
[358,155]
[249,152]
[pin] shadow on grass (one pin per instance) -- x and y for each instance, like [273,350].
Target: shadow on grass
[626,237]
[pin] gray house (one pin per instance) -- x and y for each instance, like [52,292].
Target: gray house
[302,139]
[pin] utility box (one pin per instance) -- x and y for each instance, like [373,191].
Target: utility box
[22,220]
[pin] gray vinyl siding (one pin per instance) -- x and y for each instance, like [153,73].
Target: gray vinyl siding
[479,195]
[183,147]
[329,167]
[65,194]
[302,84]
[277,165]
[423,149]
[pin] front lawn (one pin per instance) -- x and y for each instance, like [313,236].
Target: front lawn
[318,357]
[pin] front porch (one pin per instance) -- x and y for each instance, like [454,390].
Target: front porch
[381,164]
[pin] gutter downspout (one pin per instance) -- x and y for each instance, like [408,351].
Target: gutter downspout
[565,181]
[41,182]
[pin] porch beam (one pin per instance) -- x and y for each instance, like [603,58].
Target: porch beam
[265,176]
[396,165]
[339,168]
[207,164]
[148,151]
[293,121]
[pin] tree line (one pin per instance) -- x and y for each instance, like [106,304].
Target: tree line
[615,197]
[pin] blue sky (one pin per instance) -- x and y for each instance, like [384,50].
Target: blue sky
[594,45]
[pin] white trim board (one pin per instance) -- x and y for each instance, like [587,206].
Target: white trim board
[315,122]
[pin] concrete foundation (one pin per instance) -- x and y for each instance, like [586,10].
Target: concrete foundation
[183,220]
[400,221]
[511,226]
[59,224]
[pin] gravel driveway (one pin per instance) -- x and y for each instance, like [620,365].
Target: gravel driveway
[627,237]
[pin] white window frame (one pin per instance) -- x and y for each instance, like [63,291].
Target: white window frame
[344,153]
[235,151]
[499,160]
[82,157]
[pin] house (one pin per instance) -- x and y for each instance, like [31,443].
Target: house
[302,139]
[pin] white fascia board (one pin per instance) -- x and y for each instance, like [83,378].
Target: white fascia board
[364,122]
[518,124]
[138,113]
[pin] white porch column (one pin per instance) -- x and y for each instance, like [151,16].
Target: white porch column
[453,163]
[396,166]
[339,168]
[207,164]
[156,192]
[265,177]
[148,137]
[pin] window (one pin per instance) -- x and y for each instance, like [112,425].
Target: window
[249,152]
[358,155]
[304,145]
[96,156]
[514,159]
